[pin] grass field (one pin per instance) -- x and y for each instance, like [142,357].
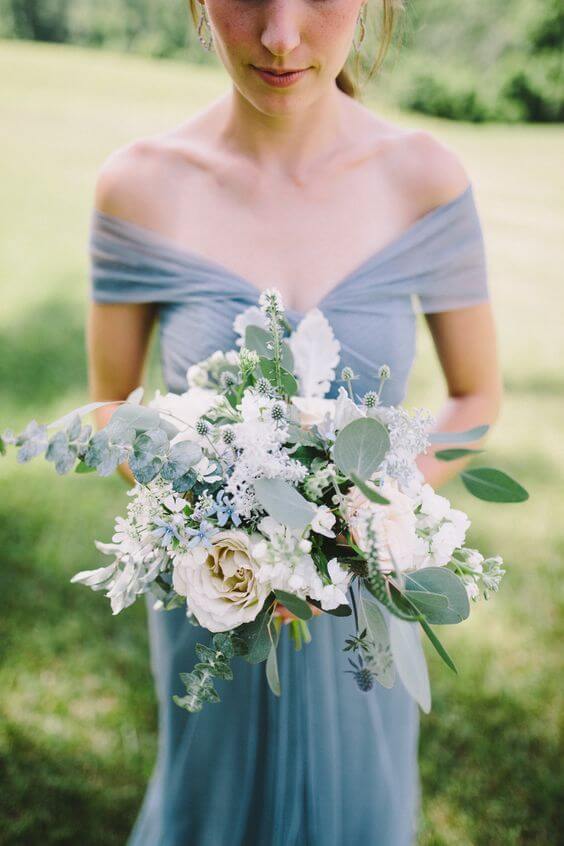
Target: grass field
[78,716]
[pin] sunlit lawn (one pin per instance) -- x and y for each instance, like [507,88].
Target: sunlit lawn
[78,725]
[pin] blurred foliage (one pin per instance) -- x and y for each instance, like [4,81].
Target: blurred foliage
[78,720]
[489,60]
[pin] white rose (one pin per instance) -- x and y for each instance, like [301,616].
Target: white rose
[396,537]
[219,582]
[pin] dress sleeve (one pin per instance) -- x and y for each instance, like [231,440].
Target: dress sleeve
[120,270]
[457,272]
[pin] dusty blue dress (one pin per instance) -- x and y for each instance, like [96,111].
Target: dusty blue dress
[325,764]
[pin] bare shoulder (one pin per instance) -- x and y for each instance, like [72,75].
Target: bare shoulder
[124,178]
[428,167]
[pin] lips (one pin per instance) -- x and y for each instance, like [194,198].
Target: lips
[280,78]
[280,72]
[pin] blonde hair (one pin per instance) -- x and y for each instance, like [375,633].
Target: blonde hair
[347,81]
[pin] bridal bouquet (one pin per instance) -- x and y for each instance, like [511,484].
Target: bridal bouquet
[254,491]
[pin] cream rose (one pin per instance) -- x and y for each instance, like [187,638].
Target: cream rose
[395,525]
[219,582]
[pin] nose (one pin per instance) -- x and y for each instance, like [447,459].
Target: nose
[281,33]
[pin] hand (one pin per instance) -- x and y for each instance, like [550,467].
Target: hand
[287,616]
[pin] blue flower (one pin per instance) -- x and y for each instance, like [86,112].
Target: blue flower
[165,532]
[202,535]
[225,510]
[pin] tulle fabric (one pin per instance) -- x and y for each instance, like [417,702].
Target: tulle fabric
[325,764]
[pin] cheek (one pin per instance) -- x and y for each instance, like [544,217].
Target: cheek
[324,22]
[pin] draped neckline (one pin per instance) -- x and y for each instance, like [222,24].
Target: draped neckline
[169,249]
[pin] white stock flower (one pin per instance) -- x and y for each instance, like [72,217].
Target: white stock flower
[197,376]
[394,524]
[433,506]
[313,410]
[323,520]
[345,410]
[184,410]
[220,582]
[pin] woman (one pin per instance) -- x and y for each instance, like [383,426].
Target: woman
[290,183]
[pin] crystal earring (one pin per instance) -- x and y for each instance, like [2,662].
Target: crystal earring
[207,43]
[362,20]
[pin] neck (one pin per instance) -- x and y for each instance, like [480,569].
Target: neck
[285,144]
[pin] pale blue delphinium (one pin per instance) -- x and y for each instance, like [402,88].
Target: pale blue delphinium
[165,532]
[225,510]
[201,535]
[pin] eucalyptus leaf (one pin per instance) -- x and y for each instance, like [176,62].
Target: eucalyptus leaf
[433,581]
[458,437]
[368,491]
[294,604]
[493,485]
[271,669]
[410,661]
[381,663]
[361,446]
[453,454]
[181,458]
[283,502]
[137,417]
[427,602]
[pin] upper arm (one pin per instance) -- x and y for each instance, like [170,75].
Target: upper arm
[118,333]
[466,345]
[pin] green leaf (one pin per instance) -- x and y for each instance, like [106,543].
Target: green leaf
[256,637]
[339,611]
[271,669]
[433,581]
[453,454]
[283,502]
[368,491]
[294,604]
[427,602]
[137,417]
[438,646]
[410,661]
[381,664]
[493,485]
[287,382]
[82,467]
[459,437]
[361,446]
[257,338]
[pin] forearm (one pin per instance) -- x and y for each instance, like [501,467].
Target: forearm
[457,414]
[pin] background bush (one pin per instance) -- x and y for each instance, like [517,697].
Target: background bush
[488,60]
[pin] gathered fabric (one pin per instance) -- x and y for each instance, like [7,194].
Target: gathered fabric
[325,764]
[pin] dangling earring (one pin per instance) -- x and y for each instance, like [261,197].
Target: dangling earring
[207,44]
[362,20]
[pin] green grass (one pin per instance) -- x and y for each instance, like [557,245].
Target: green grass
[78,715]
